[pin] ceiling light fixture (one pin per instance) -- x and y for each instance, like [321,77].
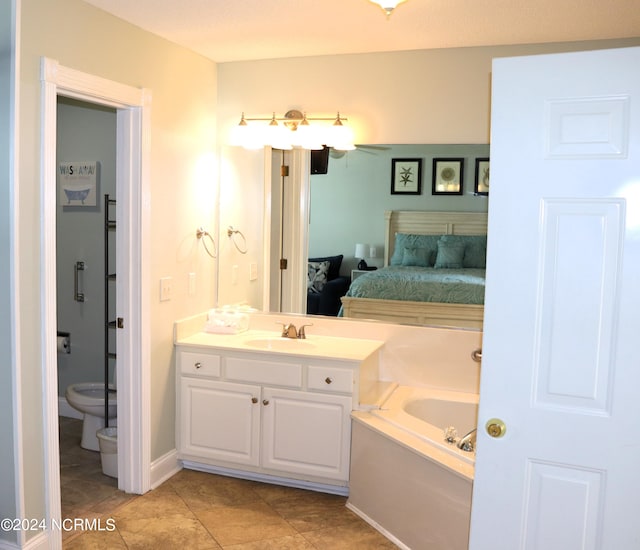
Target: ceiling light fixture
[388,5]
[293,130]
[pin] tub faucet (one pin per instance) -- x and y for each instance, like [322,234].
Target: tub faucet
[289,331]
[468,442]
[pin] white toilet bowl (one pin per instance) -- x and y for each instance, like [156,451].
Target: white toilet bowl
[88,398]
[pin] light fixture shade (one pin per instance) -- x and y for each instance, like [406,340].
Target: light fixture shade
[308,136]
[277,136]
[246,136]
[361,250]
[339,136]
[388,5]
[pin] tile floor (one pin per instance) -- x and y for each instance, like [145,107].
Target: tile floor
[199,511]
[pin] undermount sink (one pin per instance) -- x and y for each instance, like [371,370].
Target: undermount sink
[280,344]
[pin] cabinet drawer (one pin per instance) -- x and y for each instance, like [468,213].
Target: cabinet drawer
[330,379]
[202,364]
[264,372]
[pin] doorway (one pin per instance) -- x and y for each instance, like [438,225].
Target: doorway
[287,216]
[132,340]
[85,238]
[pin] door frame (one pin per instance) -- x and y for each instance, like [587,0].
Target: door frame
[286,228]
[132,212]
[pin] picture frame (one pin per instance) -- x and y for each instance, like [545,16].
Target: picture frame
[481,186]
[406,176]
[448,176]
[78,184]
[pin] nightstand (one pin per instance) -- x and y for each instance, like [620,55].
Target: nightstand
[355,273]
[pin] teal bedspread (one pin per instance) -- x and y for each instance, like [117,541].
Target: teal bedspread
[421,284]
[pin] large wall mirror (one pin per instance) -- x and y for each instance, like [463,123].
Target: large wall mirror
[347,204]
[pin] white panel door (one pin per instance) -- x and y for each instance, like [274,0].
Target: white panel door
[562,318]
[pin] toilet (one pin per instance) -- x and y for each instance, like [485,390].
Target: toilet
[88,398]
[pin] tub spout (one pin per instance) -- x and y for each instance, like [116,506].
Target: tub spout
[468,442]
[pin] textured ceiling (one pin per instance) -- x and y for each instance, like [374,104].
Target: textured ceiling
[234,30]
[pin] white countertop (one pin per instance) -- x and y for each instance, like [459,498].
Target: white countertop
[271,342]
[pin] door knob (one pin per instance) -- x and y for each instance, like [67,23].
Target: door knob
[495,427]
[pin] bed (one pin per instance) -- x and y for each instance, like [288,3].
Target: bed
[458,299]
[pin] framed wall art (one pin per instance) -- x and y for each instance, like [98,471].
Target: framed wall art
[406,176]
[447,176]
[482,176]
[78,183]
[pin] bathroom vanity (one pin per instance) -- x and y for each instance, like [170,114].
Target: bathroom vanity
[264,407]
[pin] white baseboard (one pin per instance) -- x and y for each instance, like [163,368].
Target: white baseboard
[377,526]
[64,409]
[165,467]
[42,541]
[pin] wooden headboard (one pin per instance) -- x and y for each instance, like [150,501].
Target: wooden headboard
[430,223]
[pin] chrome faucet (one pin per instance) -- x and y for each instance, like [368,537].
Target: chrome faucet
[468,442]
[289,331]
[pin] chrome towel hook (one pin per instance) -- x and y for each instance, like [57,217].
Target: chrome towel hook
[231,233]
[201,232]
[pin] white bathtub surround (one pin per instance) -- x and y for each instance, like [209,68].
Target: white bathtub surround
[425,414]
[425,481]
[414,502]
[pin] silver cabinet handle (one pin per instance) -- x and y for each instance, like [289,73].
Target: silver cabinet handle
[198,365]
[476,355]
[77,296]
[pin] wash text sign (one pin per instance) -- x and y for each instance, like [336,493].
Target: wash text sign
[78,183]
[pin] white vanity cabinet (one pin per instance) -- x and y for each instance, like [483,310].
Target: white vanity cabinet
[266,414]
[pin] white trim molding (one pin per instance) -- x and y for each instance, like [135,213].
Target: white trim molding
[132,215]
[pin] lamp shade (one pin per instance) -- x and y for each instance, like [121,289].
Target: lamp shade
[361,250]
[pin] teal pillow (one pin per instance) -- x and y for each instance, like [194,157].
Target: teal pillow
[450,255]
[416,256]
[408,240]
[475,249]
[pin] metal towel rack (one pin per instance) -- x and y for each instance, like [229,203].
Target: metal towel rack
[231,233]
[201,232]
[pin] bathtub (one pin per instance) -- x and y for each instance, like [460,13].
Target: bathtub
[426,413]
[405,480]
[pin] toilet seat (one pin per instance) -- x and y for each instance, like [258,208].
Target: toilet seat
[88,398]
[91,394]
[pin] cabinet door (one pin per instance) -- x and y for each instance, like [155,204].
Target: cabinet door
[220,421]
[306,433]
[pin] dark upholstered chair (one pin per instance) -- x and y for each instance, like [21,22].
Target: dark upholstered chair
[327,300]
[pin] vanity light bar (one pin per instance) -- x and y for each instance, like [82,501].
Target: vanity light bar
[295,131]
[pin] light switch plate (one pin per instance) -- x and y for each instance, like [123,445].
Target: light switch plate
[165,289]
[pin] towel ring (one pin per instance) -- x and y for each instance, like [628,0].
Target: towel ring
[200,234]
[231,233]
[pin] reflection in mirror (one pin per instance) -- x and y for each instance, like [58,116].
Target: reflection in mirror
[348,205]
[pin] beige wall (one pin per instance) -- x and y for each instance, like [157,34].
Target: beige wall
[183,191]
